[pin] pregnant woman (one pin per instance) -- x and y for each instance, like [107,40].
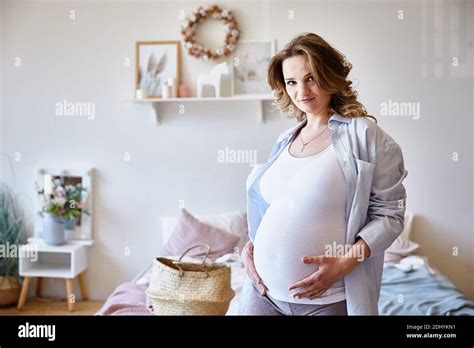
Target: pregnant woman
[329,200]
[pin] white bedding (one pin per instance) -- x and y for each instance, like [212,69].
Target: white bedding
[408,265]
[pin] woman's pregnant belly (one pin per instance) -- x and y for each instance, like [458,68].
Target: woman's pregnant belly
[288,232]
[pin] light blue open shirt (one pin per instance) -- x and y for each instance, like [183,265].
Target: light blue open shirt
[372,163]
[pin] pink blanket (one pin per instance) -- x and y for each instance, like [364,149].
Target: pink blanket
[127,299]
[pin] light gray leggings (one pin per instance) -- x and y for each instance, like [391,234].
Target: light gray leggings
[252,303]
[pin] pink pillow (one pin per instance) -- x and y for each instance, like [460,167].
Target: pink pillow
[189,230]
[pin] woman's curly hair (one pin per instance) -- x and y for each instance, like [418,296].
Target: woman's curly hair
[329,68]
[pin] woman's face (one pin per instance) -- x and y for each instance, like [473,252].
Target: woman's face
[302,88]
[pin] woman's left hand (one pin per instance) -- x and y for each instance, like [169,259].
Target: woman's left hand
[331,269]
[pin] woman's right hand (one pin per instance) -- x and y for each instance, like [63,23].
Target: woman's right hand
[247,259]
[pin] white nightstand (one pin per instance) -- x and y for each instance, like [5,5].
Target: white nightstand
[40,260]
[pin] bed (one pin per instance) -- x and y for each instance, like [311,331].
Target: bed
[406,280]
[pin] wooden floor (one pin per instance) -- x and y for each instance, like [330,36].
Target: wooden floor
[51,306]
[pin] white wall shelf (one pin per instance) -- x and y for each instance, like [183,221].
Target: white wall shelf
[259,99]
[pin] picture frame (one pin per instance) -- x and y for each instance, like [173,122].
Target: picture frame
[249,67]
[155,63]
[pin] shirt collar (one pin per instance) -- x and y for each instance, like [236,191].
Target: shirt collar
[339,118]
[333,122]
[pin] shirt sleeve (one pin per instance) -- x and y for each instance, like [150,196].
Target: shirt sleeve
[386,212]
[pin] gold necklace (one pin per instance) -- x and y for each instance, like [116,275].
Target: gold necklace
[304,144]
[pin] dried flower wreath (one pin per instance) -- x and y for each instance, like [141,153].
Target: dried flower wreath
[188,30]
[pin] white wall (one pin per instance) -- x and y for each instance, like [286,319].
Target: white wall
[1,84]
[404,60]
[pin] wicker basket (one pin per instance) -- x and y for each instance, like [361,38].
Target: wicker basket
[9,290]
[184,288]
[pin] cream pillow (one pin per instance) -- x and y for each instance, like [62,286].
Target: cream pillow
[402,246]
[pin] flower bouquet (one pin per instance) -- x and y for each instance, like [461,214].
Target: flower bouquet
[61,209]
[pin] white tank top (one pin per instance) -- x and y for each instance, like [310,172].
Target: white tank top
[307,202]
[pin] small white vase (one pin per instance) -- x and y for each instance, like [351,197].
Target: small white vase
[53,229]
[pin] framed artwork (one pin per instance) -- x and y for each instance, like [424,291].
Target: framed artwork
[156,62]
[250,61]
